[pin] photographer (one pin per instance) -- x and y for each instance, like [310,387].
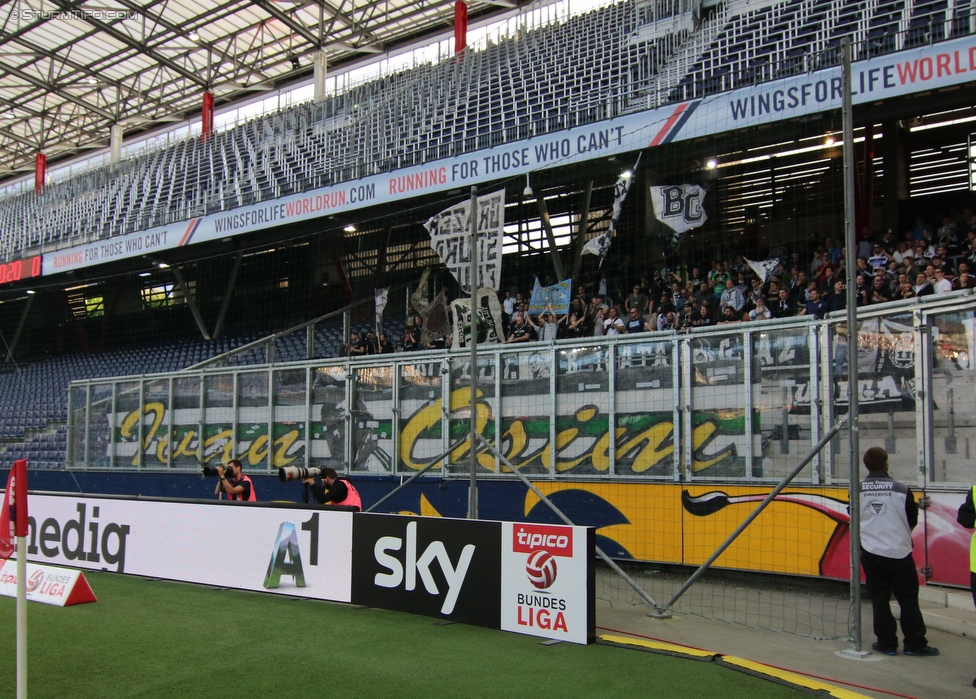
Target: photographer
[234,483]
[331,488]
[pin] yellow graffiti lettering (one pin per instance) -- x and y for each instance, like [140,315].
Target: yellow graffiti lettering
[258,450]
[421,422]
[516,439]
[648,443]
[601,450]
[132,419]
[224,453]
[183,448]
[282,445]
[701,438]
[162,448]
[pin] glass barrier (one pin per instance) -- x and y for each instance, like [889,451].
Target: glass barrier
[644,416]
[252,438]
[459,420]
[953,394]
[372,419]
[127,419]
[743,405]
[526,409]
[218,419]
[784,401]
[583,410]
[290,410]
[422,437]
[185,420]
[328,418]
[720,445]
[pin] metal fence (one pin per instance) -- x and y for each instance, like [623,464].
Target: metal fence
[740,403]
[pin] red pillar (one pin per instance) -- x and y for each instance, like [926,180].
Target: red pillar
[40,171]
[460,26]
[206,116]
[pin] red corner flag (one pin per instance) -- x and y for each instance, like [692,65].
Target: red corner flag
[13,517]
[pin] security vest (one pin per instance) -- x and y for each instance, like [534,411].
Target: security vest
[252,497]
[352,497]
[885,530]
[972,543]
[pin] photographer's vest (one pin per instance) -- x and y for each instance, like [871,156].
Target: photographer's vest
[250,498]
[352,496]
[972,544]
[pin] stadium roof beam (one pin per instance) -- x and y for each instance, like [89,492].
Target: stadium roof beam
[59,91]
[288,21]
[141,47]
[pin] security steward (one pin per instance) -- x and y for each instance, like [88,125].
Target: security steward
[234,483]
[338,491]
[888,515]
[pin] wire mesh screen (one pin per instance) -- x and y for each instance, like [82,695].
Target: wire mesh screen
[795,607]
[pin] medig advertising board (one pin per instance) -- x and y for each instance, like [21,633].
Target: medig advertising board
[296,552]
[534,579]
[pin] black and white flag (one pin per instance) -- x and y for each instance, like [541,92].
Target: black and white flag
[680,208]
[489,319]
[600,245]
[450,236]
[763,268]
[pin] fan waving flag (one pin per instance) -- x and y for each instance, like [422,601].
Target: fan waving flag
[450,237]
[600,245]
[553,298]
[680,208]
[763,268]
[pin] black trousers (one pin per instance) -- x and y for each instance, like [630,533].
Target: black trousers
[894,575]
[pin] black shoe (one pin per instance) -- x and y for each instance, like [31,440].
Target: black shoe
[926,651]
[974,683]
[884,650]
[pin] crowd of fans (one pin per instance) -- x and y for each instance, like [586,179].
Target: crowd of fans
[923,260]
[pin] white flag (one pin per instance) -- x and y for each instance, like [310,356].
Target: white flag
[598,246]
[763,268]
[381,296]
[680,208]
[450,236]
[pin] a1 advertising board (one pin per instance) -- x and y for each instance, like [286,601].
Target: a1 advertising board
[547,581]
[446,568]
[300,552]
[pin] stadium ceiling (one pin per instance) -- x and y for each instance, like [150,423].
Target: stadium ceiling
[71,69]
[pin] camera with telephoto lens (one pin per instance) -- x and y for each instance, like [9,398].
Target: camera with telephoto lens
[212,472]
[297,473]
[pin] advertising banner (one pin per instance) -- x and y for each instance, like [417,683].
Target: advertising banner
[439,567]
[300,552]
[59,587]
[921,69]
[547,581]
